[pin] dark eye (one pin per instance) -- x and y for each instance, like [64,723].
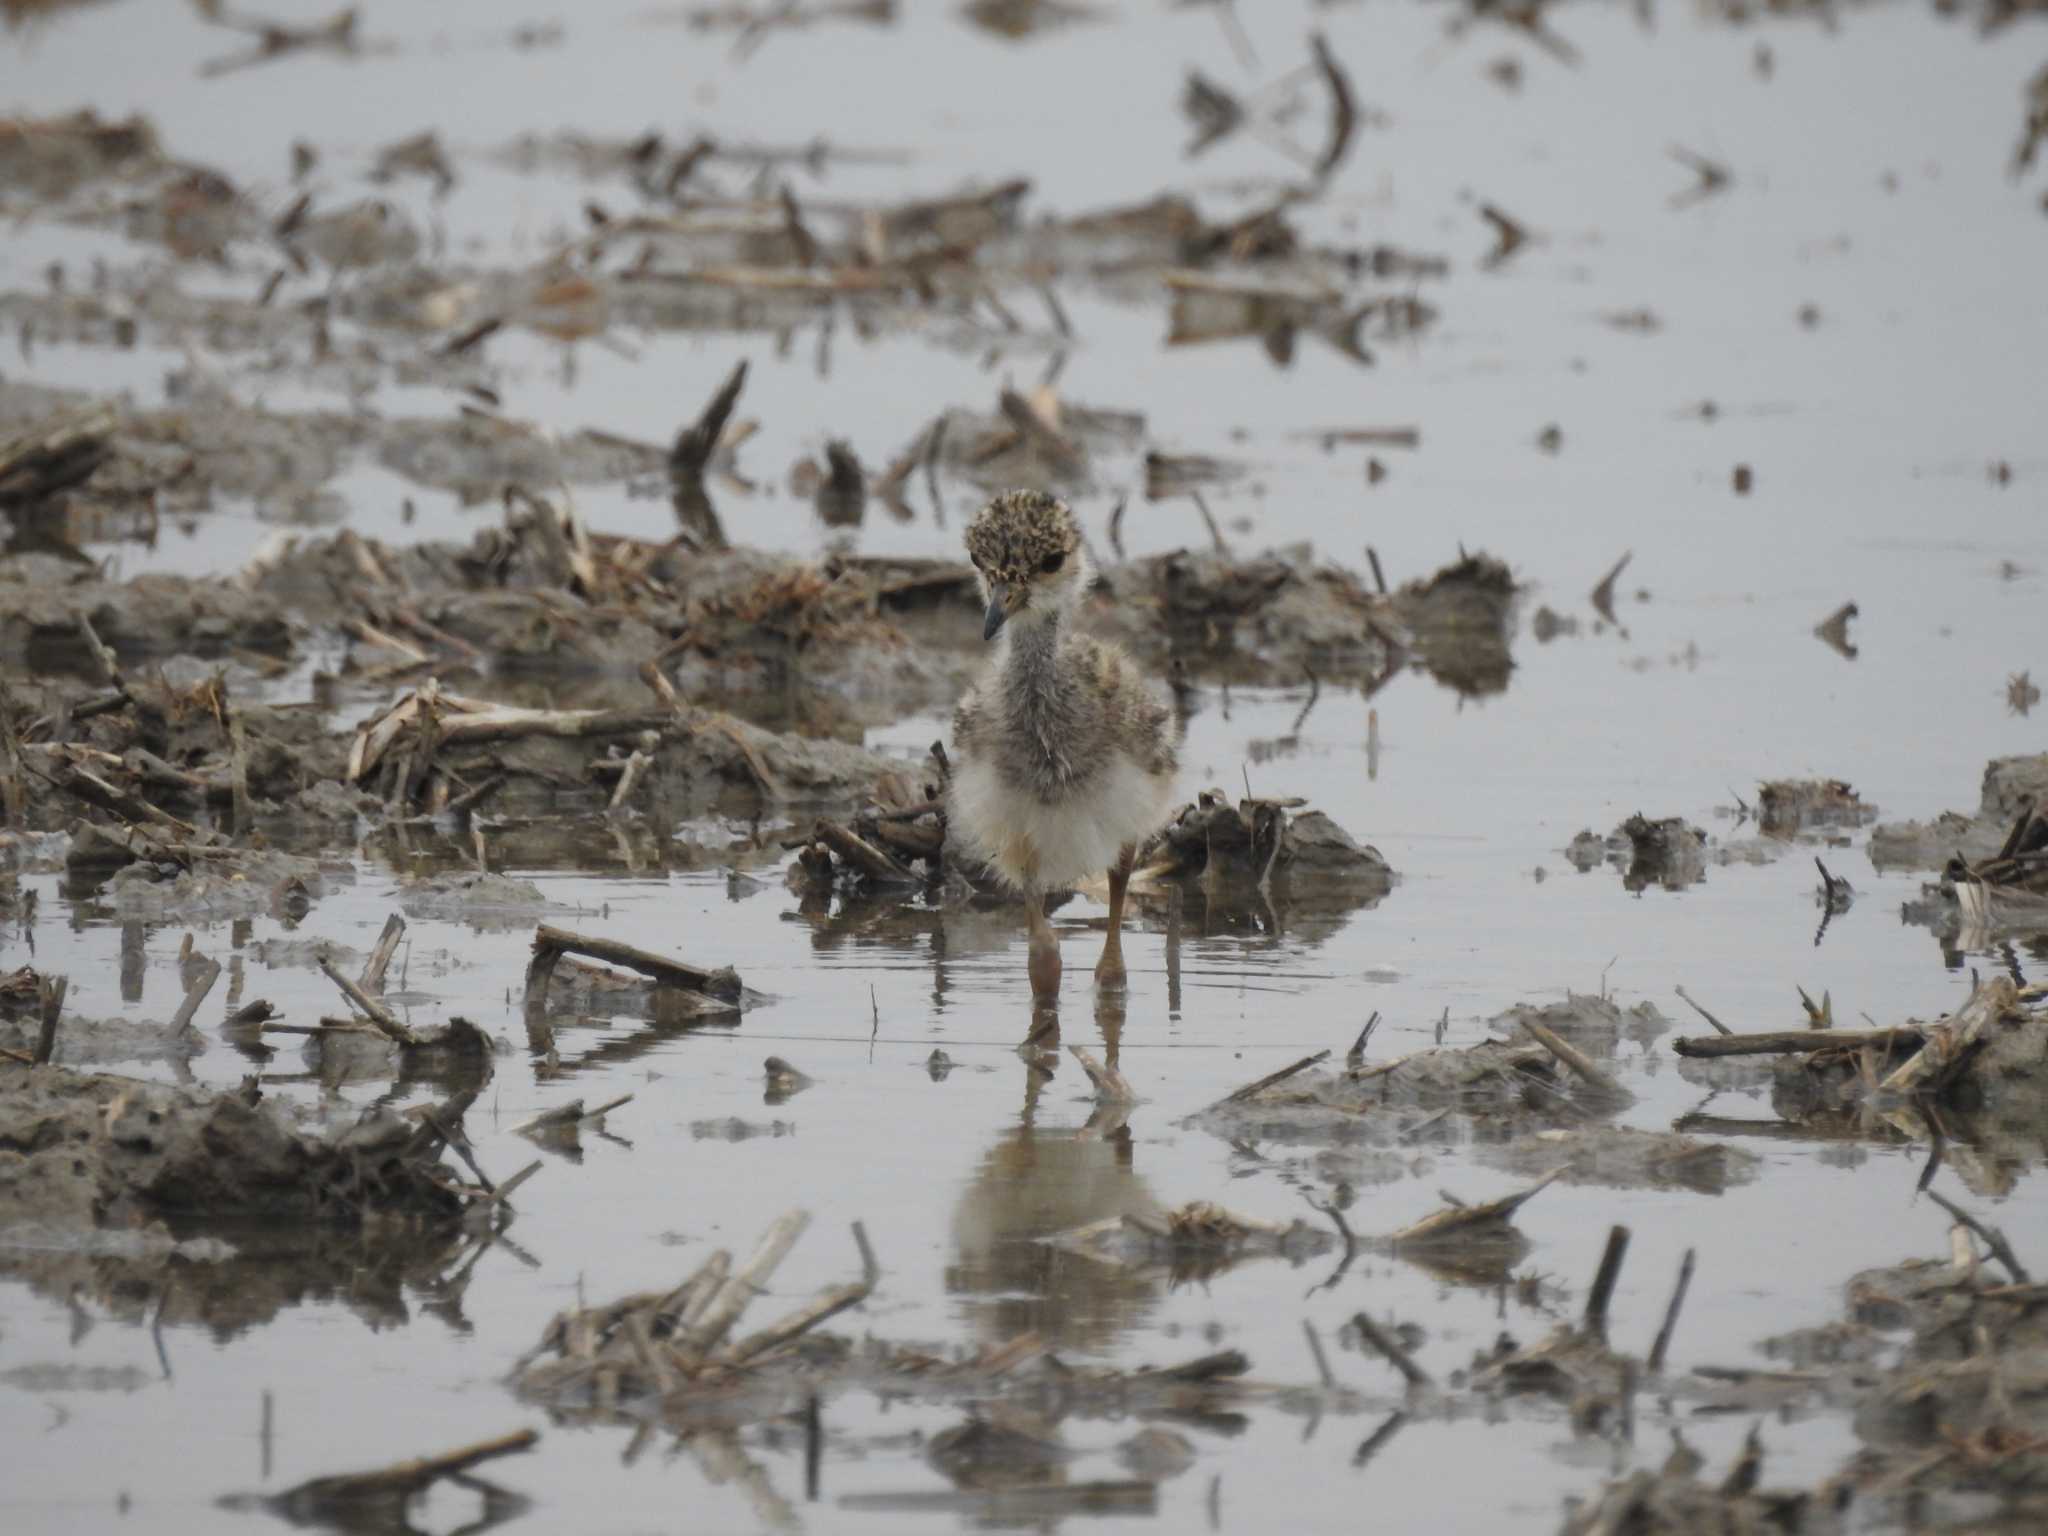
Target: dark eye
[1052,563]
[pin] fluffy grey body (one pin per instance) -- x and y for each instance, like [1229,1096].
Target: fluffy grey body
[1064,757]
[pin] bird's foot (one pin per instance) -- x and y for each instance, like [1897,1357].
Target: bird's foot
[1109,971]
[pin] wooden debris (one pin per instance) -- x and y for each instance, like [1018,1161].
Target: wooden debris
[374,969]
[1594,1077]
[1662,1347]
[195,994]
[51,991]
[1111,1087]
[1609,1274]
[1254,1089]
[387,1022]
[1458,1223]
[550,944]
[1787,1042]
[54,455]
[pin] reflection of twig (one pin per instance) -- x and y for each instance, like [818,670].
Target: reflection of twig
[1603,593]
[1390,1347]
[1344,1231]
[1508,235]
[1343,109]
[274,40]
[1713,177]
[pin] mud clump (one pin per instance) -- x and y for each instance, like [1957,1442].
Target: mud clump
[1617,1157]
[1256,843]
[1270,619]
[1461,620]
[1670,853]
[2011,785]
[86,1151]
[1976,1078]
[1787,807]
[50,158]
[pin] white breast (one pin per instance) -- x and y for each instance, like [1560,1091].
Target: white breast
[1078,835]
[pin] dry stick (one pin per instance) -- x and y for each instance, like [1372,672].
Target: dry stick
[369,1007]
[1574,1058]
[1719,1027]
[103,654]
[854,850]
[1670,1324]
[703,1287]
[825,1304]
[454,1139]
[503,1193]
[2000,1248]
[652,1360]
[1789,1042]
[1387,1345]
[195,994]
[1356,1054]
[1215,532]
[131,808]
[1595,1320]
[559,941]
[469,799]
[1959,1033]
[372,979]
[1379,577]
[13,786]
[1251,1090]
[1111,1087]
[743,1285]
[629,780]
[238,772]
[50,994]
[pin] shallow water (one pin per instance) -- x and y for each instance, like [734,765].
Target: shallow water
[1870,181]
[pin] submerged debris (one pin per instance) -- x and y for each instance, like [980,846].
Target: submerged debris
[1786,807]
[1196,1241]
[1994,866]
[1622,1158]
[117,1151]
[1676,1501]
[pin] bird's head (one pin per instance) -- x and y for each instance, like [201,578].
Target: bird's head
[1026,547]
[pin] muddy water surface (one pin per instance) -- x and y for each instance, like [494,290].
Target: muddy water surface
[1869,183]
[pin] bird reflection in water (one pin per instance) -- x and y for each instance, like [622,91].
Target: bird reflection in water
[1035,1182]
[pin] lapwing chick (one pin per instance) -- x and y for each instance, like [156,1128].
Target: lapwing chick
[1064,759]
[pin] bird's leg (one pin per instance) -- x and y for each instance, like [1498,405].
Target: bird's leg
[1045,948]
[1109,970]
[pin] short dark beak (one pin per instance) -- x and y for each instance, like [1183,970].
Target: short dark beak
[993,619]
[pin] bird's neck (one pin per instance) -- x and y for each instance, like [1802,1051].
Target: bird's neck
[1030,656]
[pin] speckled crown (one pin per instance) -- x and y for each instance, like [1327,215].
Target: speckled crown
[1013,536]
